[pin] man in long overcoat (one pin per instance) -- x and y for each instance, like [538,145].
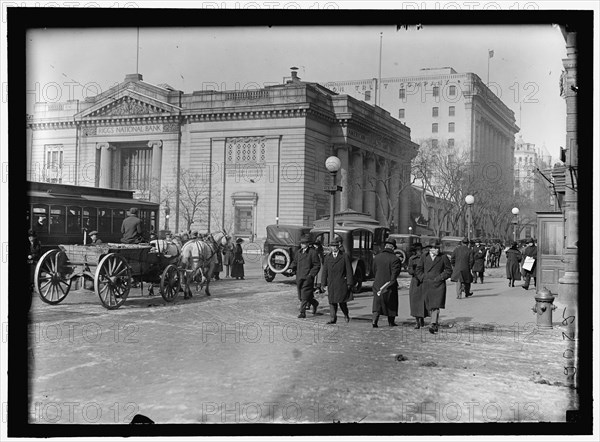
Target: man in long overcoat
[531,251]
[338,277]
[306,264]
[433,270]
[479,253]
[386,266]
[415,292]
[462,262]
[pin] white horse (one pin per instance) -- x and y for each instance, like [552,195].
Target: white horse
[199,258]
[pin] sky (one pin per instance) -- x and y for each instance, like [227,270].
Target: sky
[524,71]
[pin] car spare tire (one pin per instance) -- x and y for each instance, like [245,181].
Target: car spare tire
[279,260]
[400,254]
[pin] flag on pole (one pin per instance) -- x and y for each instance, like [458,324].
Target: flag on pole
[491,53]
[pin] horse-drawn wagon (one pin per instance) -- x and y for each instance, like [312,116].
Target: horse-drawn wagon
[114,269]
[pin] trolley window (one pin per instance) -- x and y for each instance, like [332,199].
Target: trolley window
[118,217]
[90,221]
[40,218]
[57,219]
[104,220]
[74,219]
[148,219]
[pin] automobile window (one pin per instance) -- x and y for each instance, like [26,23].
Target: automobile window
[368,240]
[356,240]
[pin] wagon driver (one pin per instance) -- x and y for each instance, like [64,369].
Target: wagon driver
[131,228]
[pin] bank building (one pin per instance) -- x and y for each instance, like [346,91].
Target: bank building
[235,160]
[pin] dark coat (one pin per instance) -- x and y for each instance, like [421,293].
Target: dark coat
[35,249]
[228,253]
[386,266]
[337,277]
[307,265]
[433,275]
[513,257]
[131,228]
[462,262]
[415,292]
[530,251]
[479,257]
[237,268]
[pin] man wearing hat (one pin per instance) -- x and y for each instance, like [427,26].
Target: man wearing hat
[479,253]
[131,228]
[337,277]
[35,247]
[462,261]
[94,237]
[530,251]
[306,264]
[386,266]
[432,270]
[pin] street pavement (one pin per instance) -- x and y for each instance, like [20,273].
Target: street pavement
[242,355]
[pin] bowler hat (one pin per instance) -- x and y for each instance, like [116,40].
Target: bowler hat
[239,240]
[335,242]
[133,210]
[93,232]
[391,241]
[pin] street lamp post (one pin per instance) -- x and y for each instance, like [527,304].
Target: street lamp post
[515,212]
[332,164]
[469,199]
[409,230]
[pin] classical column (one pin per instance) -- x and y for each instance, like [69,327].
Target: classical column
[358,180]
[342,154]
[405,199]
[382,193]
[156,146]
[106,164]
[369,199]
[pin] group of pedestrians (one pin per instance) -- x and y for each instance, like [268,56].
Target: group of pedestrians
[516,264]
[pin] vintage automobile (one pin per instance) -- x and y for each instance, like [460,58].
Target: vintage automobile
[449,243]
[361,241]
[279,249]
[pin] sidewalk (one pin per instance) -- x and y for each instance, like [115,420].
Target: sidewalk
[493,303]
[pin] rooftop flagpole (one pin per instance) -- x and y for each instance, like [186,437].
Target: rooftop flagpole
[379,78]
[137,57]
[490,55]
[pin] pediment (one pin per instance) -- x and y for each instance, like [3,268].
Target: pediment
[128,103]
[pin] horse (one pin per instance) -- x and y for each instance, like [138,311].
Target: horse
[199,258]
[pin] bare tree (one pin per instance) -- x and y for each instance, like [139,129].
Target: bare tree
[193,196]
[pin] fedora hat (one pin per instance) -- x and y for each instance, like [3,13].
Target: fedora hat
[93,232]
[239,240]
[335,242]
[305,239]
[391,241]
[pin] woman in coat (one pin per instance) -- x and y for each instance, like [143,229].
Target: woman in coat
[338,278]
[415,292]
[479,263]
[432,270]
[514,257]
[237,268]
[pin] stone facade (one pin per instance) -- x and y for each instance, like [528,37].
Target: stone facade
[244,159]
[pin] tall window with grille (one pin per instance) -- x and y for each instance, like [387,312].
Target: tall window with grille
[434,128]
[451,111]
[452,91]
[402,94]
[136,168]
[435,111]
[434,143]
[401,114]
[367,95]
[451,143]
[53,163]
[436,91]
[450,127]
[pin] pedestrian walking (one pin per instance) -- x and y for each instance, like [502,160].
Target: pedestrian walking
[513,260]
[386,266]
[415,292]
[228,247]
[306,265]
[237,268]
[462,261]
[321,254]
[479,261]
[433,270]
[337,277]
[529,271]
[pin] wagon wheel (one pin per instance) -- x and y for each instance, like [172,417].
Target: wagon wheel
[50,282]
[112,281]
[170,283]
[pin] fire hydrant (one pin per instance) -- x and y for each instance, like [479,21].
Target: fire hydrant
[544,307]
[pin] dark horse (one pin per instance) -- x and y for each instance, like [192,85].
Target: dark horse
[199,259]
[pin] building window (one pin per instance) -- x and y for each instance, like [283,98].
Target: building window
[136,168]
[53,163]
[450,127]
[243,220]
[436,91]
[402,94]
[435,111]
[367,95]
[74,219]
[434,128]
[246,150]
[434,143]
[401,113]
[451,142]
[451,111]
[452,91]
